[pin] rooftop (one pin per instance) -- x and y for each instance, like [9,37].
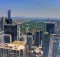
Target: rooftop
[19,42]
[16,45]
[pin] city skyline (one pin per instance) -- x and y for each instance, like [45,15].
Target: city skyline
[31,8]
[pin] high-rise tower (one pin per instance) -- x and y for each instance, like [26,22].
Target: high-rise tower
[38,37]
[50,26]
[9,14]
[45,43]
[10,28]
[9,19]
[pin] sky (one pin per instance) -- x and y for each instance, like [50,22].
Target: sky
[31,8]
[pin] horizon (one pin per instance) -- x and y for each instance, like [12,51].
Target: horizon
[31,8]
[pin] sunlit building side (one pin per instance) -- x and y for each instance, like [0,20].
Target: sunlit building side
[15,49]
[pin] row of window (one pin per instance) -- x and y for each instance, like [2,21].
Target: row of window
[10,53]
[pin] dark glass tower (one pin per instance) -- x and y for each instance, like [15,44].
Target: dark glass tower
[9,19]
[29,40]
[50,28]
[9,14]
[38,37]
[12,30]
[45,43]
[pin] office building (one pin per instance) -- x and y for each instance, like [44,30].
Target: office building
[15,49]
[45,44]
[29,41]
[24,38]
[18,32]
[59,50]
[41,35]
[11,29]
[50,27]
[38,37]
[9,14]
[7,38]
[9,19]
[1,36]
[2,22]
[54,45]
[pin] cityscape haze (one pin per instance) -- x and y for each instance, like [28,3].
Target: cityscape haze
[29,28]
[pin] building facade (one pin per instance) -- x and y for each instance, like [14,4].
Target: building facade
[9,19]
[9,14]
[38,37]
[11,29]
[1,36]
[50,27]
[54,45]
[15,49]
[45,44]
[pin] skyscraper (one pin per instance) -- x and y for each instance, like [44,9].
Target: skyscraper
[9,14]
[50,27]
[1,36]
[9,19]
[11,29]
[38,37]
[45,43]
[3,22]
[54,45]
[29,42]
[18,32]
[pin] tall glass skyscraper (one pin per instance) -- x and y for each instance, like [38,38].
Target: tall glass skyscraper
[9,19]
[50,27]
[54,45]
[45,43]
[11,29]
[9,14]
[38,37]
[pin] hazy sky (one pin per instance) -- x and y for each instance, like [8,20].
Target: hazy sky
[31,8]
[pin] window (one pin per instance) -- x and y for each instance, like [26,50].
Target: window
[17,53]
[21,53]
